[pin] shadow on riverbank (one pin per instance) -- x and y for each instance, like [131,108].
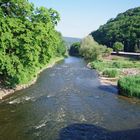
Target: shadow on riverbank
[92,132]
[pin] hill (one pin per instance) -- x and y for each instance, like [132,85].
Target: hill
[124,28]
[70,40]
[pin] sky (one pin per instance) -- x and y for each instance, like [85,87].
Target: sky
[80,17]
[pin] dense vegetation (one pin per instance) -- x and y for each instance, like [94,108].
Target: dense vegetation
[91,50]
[74,49]
[129,86]
[124,28]
[110,72]
[28,40]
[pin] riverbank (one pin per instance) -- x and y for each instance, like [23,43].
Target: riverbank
[112,68]
[7,92]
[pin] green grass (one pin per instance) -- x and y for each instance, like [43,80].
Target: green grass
[112,68]
[101,65]
[129,86]
[111,73]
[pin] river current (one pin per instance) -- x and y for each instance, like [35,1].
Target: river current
[68,102]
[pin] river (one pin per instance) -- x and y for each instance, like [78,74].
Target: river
[69,103]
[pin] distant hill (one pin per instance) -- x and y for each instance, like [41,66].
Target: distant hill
[124,28]
[70,40]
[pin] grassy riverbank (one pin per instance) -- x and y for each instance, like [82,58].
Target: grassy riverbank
[129,86]
[4,92]
[116,66]
[123,72]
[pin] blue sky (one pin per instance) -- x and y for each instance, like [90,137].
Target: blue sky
[80,17]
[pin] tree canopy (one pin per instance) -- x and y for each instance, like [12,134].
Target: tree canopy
[74,49]
[118,46]
[28,40]
[91,50]
[125,28]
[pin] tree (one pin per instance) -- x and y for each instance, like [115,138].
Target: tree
[91,50]
[74,49]
[28,40]
[118,46]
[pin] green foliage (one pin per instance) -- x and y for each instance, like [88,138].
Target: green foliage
[107,51]
[114,68]
[118,64]
[74,49]
[91,50]
[28,40]
[129,86]
[124,28]
[118,46]
[109,72]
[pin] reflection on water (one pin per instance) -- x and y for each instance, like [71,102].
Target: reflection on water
[68,102]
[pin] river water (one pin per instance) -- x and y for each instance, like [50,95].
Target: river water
[69,103]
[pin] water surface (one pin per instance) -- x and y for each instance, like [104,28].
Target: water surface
[69,103]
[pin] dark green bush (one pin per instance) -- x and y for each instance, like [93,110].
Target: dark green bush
[129,86]
[74,49]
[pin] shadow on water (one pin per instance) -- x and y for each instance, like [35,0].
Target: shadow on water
[92,132]
[109,88]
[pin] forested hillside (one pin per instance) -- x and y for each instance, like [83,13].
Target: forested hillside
[28,40]
[124,28]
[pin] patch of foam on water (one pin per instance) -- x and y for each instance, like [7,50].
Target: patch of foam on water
[43,122]
[40,125]
[51,75]
[20,100]
[61,115]
[82,118]
[49,96]
[26,98]
[15,101]
[64,66]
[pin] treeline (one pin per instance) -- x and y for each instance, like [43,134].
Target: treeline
[125,28]
[89,49]
[28,40]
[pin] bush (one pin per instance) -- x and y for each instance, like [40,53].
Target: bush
[129,86]
[118,46]
[110,73]
[107,51]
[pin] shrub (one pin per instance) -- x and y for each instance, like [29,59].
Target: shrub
[129,86]
[118,46]
[110,72]
[107,51]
